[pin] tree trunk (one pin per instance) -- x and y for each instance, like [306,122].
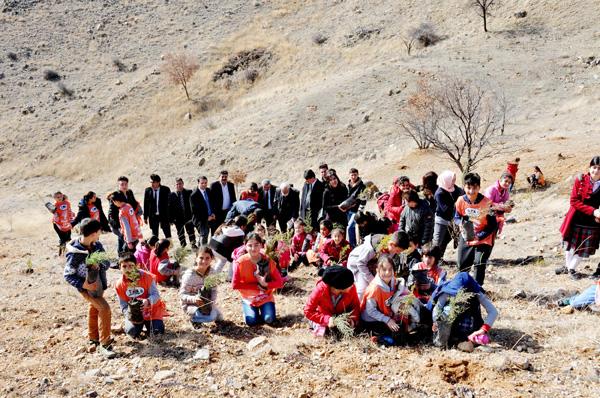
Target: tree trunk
[484,20]
[186,91]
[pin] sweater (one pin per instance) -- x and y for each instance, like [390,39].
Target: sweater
[191,283]
[319,307]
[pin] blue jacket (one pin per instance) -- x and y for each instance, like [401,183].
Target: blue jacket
[76,270]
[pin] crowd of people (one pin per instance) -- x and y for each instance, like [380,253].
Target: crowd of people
[381,273]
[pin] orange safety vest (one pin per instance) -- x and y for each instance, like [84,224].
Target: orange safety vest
[94,212]
[63,215]
[478,215]
[374,291]
[140,291]
[134,232]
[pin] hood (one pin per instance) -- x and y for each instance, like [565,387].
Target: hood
[233,231]
[384,285]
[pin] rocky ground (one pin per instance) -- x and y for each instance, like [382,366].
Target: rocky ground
[331,89]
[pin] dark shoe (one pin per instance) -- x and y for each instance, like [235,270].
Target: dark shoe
[106,351]
[574,275]
[563,302]
[561,270]
[596,274]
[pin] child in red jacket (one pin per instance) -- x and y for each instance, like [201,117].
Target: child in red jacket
[334,294]
[335,250]
[301,241]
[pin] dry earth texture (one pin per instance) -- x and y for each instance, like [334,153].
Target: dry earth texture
[328,84]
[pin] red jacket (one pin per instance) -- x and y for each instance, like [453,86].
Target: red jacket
[155,263]
[512,168]
[395,204]
[582,190]
[333,252]
[319,307]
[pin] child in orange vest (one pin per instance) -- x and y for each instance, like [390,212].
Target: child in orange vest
[431,259]
[376,315]
[130,227]
[61,219]
[335,250]
[256,277]
[139,299]
[478,227]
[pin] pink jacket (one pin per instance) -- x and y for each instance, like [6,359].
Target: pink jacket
[142,256]
[496,193]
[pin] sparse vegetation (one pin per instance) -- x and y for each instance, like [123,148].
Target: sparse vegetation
[319,38]
[238,177]
[424,34]
[51,75]
[179,69]
[483,8]
[343,325]
[248,63]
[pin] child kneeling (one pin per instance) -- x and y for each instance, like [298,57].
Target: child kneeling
[334,294]
[198,297]
[139,299]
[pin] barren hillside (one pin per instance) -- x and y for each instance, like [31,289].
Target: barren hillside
[336,101]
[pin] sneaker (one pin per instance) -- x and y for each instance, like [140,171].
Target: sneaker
[92,346]
[106,351]
[561,270]
[574,275]
[564,302]
[387,341]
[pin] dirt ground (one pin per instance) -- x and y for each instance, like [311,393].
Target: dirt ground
[337,101]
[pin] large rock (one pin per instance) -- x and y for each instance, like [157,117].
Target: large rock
[163,375]
[257,342]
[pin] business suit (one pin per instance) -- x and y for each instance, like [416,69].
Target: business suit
[266,199]
[180,212]
[150,210]
[199,209]
[216,201]
[312,200]
[288,207]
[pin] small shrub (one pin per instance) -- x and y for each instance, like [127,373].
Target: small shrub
[12,56]
[64,90]
[179,69]
[119,65]
[255,59]
[424,34]
[319,38]
[251,75]
[51,75]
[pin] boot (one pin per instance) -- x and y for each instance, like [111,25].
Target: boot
[596,274]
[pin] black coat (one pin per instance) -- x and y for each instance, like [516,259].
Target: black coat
[288,206]
[198,207]
[84,212]
[163,203]
[312,202]
[216,198]
[176,212]
[332,197]
[355,191]
[262,198]
[113,211]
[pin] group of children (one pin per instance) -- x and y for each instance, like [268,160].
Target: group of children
[390,284]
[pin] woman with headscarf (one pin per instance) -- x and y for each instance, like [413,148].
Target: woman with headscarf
[445,197]
[581,227]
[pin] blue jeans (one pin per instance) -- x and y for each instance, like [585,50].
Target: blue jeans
[585,298]
[156,326]
[351,232]
[256,315]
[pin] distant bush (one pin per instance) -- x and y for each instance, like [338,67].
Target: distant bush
[319,38]
[119,65]
[424,34]
[51,75]
[179,69]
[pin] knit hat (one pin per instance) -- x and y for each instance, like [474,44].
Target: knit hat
[338,277]
[595,161]
[446,180]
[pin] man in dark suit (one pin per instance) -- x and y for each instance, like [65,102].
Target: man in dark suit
[156,207]
[181,213]
[287,203]
[266,198]
[223,196]
[202,210]
[312,199]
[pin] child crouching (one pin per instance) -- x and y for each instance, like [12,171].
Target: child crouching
[198,299]
[334,294]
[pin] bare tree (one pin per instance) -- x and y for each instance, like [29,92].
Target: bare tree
[420,116]
[471,120]
[483,7]
[179,69]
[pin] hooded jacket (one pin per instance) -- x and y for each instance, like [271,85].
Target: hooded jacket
[75,271]
[91,211]
[319,306]
[418,222]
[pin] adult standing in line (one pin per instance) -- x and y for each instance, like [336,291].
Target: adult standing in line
[324,172]
[333,196]
[202,209]
[581,227]
[266,194]
[113,212]
[223,196]
[312,200]
[156,207]
[355,187]
[180,211]
[445,198]
[287,203]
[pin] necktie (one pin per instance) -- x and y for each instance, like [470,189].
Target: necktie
[208,209]
[156,199]
[181,200]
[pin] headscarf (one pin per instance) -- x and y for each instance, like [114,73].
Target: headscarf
[446,180]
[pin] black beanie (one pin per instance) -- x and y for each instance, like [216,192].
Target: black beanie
[338,277]
[595,161]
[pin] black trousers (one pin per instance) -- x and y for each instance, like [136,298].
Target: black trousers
[183,227]
[63,236]
[475,257]
[219,219]
[156,222]
[268,216]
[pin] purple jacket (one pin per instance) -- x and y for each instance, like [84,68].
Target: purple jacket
[496,194]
